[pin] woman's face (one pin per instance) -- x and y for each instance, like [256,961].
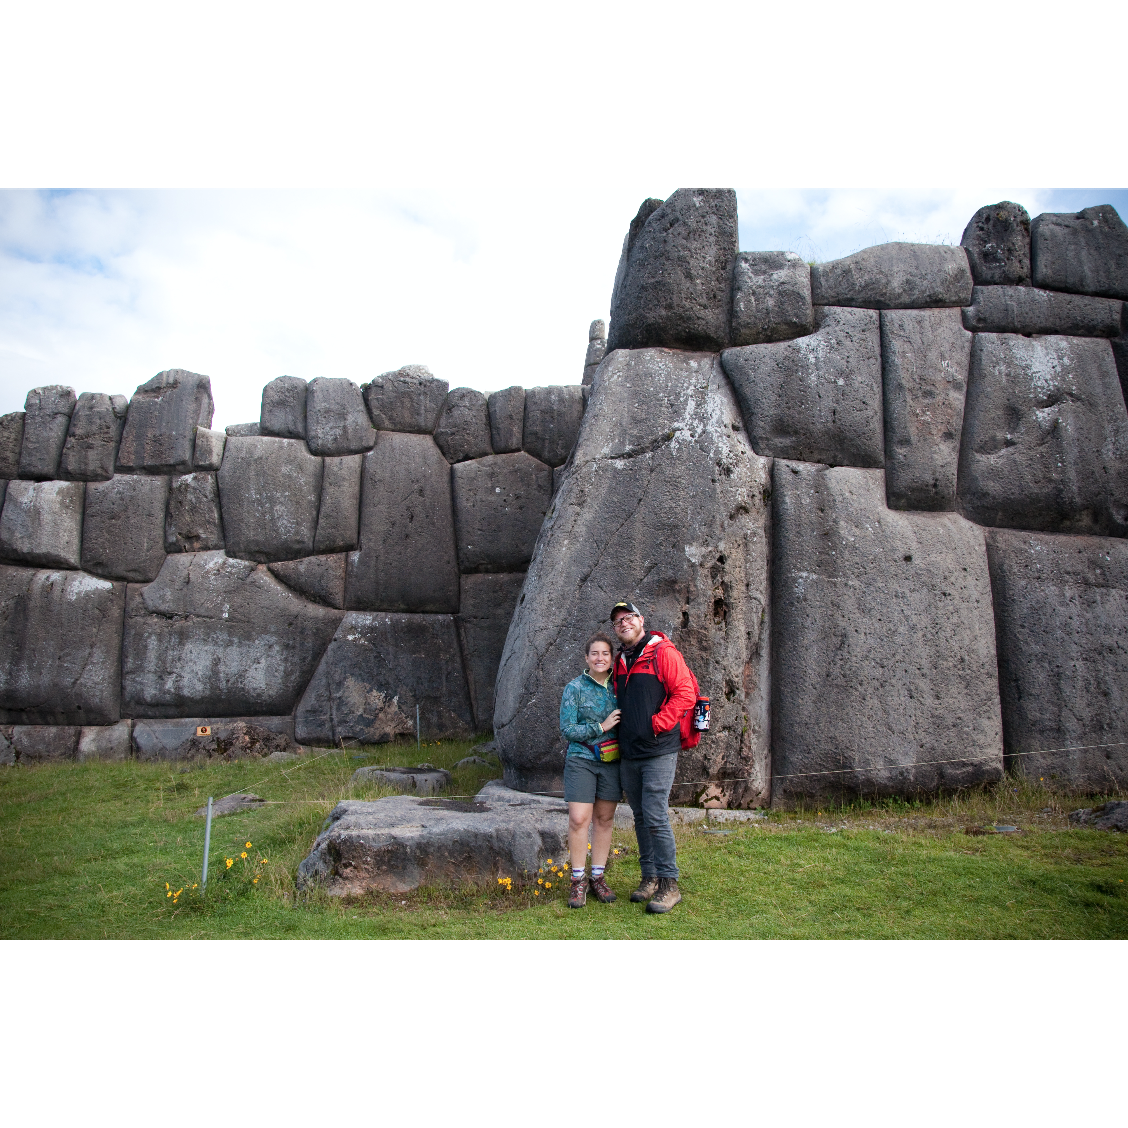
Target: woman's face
[599,658]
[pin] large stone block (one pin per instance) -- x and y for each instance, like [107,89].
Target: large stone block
[487,606]
[997,241]
[665,505]
[38,744]
[160,427]
[210,445]
[61,634]
[11,440]
[170,739]
[925,355]
[217,636]
[1085,252]
[552,421]
[499,506]
[463,430]
[106,742]
[336,419]
[407,559]
[283,410]
[673,288]
[242,430]
[593,358]
[883,675]
[816,398]
[42,524]
[1023,309]
[507,420]
[123,527]
[409,399]
[377,669]
[270,490]
[320,578]
[771,297]
[1061,617]
[95,428]
[47,414]
[338,519]
[7,750]
[1045,438]
[193,522]
[894,276]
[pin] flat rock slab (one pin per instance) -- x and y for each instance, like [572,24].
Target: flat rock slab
[399,844]
[1108,816]
[106,742]
[1083,252]
[123,527]
[423,779]
[42,524]
[1023,309]
[231,805]
[895,276]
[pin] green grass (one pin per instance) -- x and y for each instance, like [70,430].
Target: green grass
[86,850]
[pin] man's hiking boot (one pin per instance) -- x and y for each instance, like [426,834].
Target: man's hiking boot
[578,897]
[666,898]
[646,889]
[601,891]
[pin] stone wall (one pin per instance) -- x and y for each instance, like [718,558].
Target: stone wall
[353,555]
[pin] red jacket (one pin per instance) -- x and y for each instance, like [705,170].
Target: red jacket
[654,696]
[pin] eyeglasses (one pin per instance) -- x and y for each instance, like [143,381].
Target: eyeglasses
[624,619]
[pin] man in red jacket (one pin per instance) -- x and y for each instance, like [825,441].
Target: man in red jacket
[654,689]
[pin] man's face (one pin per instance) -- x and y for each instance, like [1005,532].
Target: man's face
[628,628]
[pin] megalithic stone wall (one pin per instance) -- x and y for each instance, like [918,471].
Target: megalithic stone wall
[354,554]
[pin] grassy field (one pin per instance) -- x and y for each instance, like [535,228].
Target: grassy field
[86,851]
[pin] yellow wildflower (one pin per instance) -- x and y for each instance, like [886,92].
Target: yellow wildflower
[243,854]
[230,862]
[540,880]
[549,862]
[248,845]
[166,884]
[548,885]
[536,892]
[169,893]
[255,882]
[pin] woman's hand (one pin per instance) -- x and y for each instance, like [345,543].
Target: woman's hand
[611,720]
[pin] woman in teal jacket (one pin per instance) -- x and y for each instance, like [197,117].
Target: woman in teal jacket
[589,717]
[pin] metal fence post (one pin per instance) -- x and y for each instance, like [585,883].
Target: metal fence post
[207,849]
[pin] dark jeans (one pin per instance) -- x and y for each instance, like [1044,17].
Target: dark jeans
[647,784]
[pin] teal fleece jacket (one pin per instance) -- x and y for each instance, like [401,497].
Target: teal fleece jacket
[583,706]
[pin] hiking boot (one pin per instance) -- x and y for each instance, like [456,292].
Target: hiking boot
[666,898]
[646,889]
[601,891]
[578,897]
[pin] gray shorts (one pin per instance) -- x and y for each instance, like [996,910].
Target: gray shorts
[588,780]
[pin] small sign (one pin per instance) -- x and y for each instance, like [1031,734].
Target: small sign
[203,730]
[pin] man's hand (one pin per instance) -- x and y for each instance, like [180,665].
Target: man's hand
[611,720]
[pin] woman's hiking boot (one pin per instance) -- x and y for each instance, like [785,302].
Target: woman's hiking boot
[666,898]
[646,889]
[578,897]
[601,891]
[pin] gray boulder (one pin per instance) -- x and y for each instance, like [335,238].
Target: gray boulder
[884,651]
[1120,354]
[336,419]
[771,297]
[1061,616]
[407,559]
[597,330]
[61,634]
[37,744]
[42,524]
[665,505]
[552,421]
[242,430]
[463,429]
[209,449]
[816,398]
[7,750]
[673,289]
[192,520]
[507,420]
[47,414]
[997,241]
[422,780]
[106,742]
[488,602]
[377,669]
[320,578]
[283,411]
[894,276]
[338,519]
[232,805]
[409,399]
[925,355]
[11,440]
[214,635]
[1112,815]
[398,844]
[596,351]
[160,427]
[1083,253]
[95,428]
[1045,438]
[269,491]
[169,739]
[238,740]
[123,527]
[1023,309]
[499,506]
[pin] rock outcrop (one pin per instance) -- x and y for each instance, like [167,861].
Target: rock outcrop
[1023,309]
[895,276]
[160,426]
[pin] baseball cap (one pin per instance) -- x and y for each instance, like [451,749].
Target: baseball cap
[623,605]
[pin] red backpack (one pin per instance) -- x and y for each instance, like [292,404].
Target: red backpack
[690,736]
